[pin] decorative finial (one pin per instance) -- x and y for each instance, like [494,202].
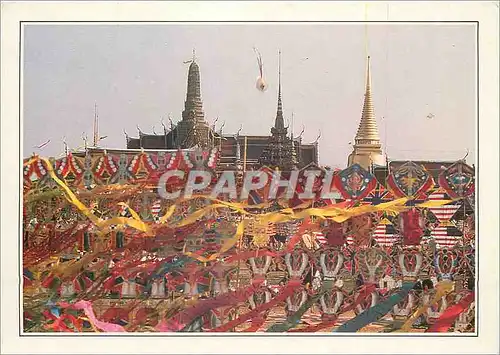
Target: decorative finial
[466,155]
[279,122]
[84,138]
[279,74]
[301,132]
[368,76]
[319,136]
[194,54]
[163,125]
[96,126]
[65,146]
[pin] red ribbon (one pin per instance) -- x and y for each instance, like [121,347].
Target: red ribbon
[447,318]
[288,291]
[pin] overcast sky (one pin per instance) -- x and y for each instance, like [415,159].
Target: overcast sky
[136,75]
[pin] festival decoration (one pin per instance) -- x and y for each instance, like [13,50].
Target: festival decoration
[410,180]
[102,252]
[458,180]
[354,182]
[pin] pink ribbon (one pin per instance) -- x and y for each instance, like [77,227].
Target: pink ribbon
[86,306]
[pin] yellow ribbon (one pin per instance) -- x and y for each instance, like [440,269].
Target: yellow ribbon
[442,289]
[228,244]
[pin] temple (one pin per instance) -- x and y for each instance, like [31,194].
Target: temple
[367,149]
[237,152]
[280,151]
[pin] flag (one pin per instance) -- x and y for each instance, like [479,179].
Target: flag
[445,212]
[446,235]
[385,234]
[379,195]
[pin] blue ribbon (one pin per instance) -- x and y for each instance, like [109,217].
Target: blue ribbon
[376,312]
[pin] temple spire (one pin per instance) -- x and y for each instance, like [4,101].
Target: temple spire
[280,151]
[367,130]
[193,106]
[193,130]
[367,148]
[279,121]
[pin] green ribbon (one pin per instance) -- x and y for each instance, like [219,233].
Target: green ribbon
[376,312]
[293,320]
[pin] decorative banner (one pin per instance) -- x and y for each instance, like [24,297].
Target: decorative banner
[410,180]
[378,195]
[458,180]
[411,225]
[354,182]
[193,264]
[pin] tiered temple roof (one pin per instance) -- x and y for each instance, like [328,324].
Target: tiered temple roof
[277,150]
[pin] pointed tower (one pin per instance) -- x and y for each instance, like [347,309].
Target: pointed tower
[193,106]
[278,152]
[193,130]
[367,149]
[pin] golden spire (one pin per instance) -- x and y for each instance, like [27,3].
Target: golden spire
[367,131]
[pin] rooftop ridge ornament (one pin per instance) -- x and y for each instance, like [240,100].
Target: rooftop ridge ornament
[317,139]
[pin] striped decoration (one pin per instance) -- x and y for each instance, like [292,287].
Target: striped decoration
[156,208]
[385,234]
[320,238]
[287,229]
[446,235]
[271,229]
[443,213]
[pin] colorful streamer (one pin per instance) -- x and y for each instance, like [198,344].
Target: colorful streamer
[376,312]
[450,314]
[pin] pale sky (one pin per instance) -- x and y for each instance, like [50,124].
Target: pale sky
[136,75]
